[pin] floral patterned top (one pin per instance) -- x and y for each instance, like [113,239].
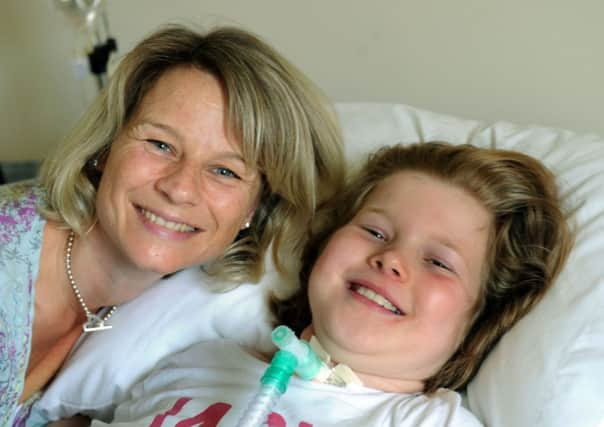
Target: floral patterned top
[20,242]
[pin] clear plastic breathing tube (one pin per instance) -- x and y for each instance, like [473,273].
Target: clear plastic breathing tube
[294,355]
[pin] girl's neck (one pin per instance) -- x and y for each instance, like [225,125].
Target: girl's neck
[370,379]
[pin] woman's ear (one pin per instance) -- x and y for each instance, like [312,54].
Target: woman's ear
[248,219]
[95,165]
[250,215]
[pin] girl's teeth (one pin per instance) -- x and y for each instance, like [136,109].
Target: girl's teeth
[183,228]
[376,298]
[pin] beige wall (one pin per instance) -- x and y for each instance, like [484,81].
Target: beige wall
[525,61]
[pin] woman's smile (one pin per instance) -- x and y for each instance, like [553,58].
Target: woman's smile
[156,222]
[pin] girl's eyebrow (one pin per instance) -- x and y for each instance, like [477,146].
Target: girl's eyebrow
[449,244]
[373,209]
[443,240]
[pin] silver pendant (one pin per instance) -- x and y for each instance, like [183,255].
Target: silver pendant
[95,323]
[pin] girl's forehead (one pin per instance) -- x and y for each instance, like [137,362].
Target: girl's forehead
[395,184]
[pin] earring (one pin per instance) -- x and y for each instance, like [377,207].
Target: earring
[94,163]
[247,225]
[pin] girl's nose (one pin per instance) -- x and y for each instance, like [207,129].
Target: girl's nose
[388,262]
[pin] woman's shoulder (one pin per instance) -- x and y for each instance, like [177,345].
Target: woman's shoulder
[20,240]
[27,190]
[19,203]
[19,216]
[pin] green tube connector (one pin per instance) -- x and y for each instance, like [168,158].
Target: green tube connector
[308,363]
[280,370]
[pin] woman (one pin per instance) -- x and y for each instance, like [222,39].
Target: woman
[202,150]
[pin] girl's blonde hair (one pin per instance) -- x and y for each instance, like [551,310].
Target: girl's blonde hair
[285,124]
[529,242]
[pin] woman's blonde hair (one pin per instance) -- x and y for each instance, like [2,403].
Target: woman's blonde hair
[529,242]
[287,128]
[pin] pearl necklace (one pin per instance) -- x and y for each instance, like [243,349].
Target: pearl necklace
[93,322]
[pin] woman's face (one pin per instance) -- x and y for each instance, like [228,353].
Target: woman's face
[393,292]
[175,190]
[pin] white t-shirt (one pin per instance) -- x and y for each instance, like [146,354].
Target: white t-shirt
[211,384]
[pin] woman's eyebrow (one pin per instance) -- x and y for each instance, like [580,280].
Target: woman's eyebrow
[227,155]
[160,126]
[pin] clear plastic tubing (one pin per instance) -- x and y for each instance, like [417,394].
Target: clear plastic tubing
[294,355]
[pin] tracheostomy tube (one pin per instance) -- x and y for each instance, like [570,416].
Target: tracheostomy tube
[294,355]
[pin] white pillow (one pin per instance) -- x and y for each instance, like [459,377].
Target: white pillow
[549,369]
[543,373]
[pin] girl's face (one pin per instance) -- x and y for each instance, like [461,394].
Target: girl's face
[175,190]
[393,292]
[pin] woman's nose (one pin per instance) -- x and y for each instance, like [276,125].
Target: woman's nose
[180,185]
[389,262]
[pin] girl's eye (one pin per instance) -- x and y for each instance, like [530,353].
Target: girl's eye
[375,233]
[439,264]
[226,173]
[161,146]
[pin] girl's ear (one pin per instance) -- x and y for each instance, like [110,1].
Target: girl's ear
[308,332]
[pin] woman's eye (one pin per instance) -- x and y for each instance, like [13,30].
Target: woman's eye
[226,173]
[161,146]
[375,233]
